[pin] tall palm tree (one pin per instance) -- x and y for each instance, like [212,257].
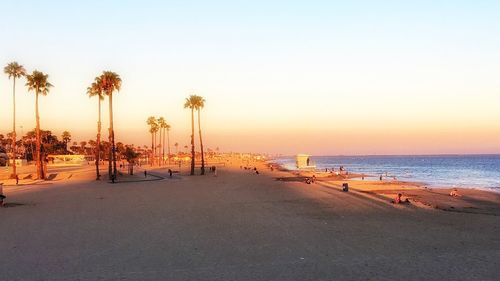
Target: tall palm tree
[110,82]
[163,125]
[14,71]
[95,89]
[191,104]
[38,82]
[153,128]
[199,104]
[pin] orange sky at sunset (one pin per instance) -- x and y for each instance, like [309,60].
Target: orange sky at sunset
[337,80]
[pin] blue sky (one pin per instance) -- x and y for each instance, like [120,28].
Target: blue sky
[389,65]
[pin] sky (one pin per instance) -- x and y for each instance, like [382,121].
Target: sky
[280,77]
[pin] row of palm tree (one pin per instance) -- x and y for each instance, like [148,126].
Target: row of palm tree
[105,85]
[37,82]
[155,126]
[166,133]
[195,102]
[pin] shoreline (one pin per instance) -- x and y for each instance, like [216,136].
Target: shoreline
[357,176]
[470,200]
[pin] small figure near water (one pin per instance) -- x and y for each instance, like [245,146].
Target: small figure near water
[399,200]
[170,173]
[454,193]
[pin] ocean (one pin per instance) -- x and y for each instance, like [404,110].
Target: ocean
[469,171]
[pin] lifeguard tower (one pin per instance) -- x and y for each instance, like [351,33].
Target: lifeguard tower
[304,162]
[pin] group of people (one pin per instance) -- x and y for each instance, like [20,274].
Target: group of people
[213,169]
[454,193]
[311,179]
[341,171]
[251,169]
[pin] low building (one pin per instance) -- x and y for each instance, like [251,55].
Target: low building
[303,162]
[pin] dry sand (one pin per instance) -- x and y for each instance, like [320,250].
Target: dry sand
[237,226]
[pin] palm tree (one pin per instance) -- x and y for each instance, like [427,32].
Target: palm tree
[153,128]
[38,82]
[14,71]
[95,89]
[199,104]
[66,137]
[191,103]
[110,82]
[163,125]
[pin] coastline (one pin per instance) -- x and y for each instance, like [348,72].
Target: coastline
[470,200]
[408,172]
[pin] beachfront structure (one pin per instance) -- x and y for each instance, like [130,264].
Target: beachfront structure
[303,161]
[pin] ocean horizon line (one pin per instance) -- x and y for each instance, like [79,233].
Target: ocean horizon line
[396,155]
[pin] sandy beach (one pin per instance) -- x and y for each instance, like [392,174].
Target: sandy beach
[238,226]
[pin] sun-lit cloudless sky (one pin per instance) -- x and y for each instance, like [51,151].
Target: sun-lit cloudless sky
[319,77]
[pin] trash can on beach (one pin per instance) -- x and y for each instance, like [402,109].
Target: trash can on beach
[345,187]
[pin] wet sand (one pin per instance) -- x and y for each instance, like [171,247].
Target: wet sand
[237,226]
[468,200]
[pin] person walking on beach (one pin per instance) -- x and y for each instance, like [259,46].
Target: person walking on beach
[145,173]
[170,173]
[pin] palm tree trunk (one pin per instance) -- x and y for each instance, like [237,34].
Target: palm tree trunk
[152,149]
[168,144]
[39,163]
[98,143]
[113,152]
[163,147]
[159,150]
[110,164]
[192,141]
[155,152]
[14,145]
[201,145]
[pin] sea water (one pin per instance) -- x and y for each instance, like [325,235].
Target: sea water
[472,171]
